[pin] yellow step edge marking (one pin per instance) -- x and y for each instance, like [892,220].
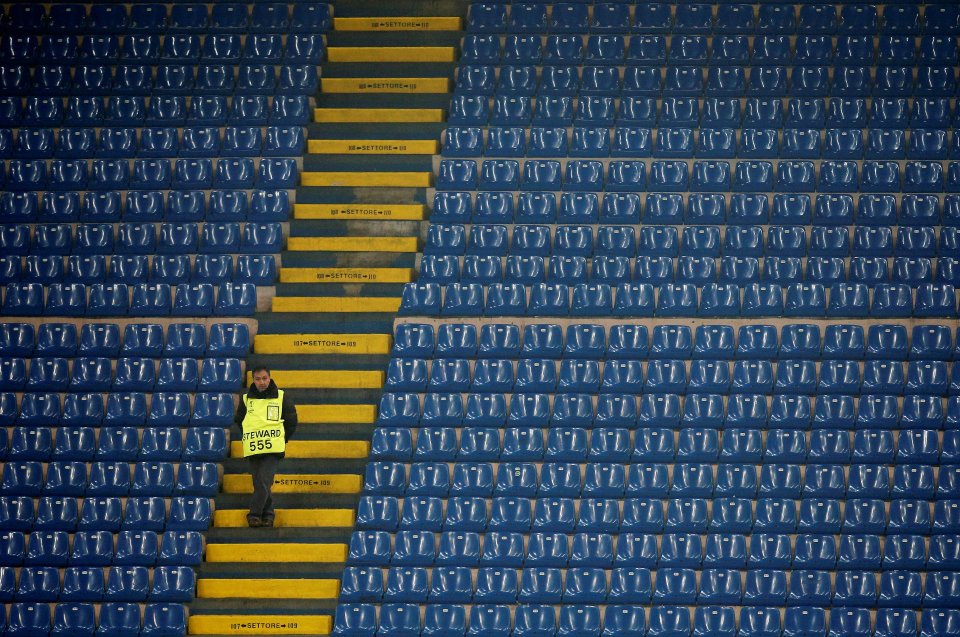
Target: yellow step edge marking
[260,624]
[320,449]
[326,379]
[336,414]
[352,244]
[437,23]
[368,179]
[297,483]
[339,304]
[378,115]
[263,588]
[322,343]
[276,552]
[391,54]
[373,146]
[288,518]
[378,85]
[346,275]
[389,212]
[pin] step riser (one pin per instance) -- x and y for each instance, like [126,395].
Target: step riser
[387,54]
[322,344]
[288,518]
[260,624]
[402,23]
[393,85]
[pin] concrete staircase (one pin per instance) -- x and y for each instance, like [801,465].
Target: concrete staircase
[359,215]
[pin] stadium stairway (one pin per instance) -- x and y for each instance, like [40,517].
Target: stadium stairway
[359,216]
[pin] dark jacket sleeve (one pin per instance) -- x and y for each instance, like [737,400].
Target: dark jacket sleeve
[289,415]
[241,412]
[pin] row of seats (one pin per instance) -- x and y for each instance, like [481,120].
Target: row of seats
[537,375]
[171,110]
[650,17]
[605,480]
[689,269]
[50,547]
[583,175]
[159,18]
[850,300]
[697,209]
[71,478]
[180,79]
[84,143]
[100,516]
[711,112]
[134,339]
[174,48]
[169,269]
[165,409]
[531,620]
[179,174]
[114,299]
[860,547]
[127,374]
[789,411]
[151,205]
[686,81]
[654,240]
[612,444]
[550,549]
[220,237]
[118,619]
[591,141]
[42,584]
[85,444]
[720,50]
[546,585]
[588,341]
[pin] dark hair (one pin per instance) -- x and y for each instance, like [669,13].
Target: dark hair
[260,368]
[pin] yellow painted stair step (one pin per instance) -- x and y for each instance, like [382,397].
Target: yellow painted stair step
[352,244]
[276,552]
[339,304]
[373,146]
[297,483]
[388,212]
[288,518]
[260,624]
[380,85]
[346,275]
[378,115]
[340,179]
[326,379]
[263,588]
[343,449]
[389,54]
[337,414]
[322,343]
[429,23]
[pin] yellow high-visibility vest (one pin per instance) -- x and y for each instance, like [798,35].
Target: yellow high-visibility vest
[263,425]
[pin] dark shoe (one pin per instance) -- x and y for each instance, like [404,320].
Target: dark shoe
[254,522]
[266,523]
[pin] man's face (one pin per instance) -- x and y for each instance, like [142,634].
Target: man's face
[262,380]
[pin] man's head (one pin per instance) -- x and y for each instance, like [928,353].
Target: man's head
[261,377]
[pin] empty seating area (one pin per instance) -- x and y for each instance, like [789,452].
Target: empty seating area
[147,156]
[682,356]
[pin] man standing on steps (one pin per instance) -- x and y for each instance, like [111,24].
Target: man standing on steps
[267,417]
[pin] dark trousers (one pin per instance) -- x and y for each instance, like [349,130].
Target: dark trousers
[263,469]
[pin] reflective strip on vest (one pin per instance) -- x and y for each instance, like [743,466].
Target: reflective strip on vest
[263,425]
